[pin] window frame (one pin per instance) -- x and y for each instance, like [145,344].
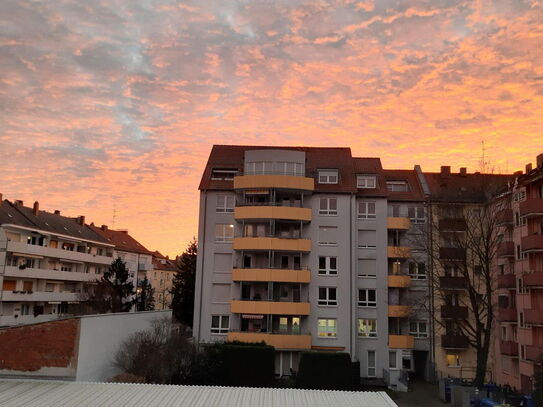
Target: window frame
[220,330]
[224,238]
[416,275]
[327,301]
[365,178]
[366,214]
[418,333]
[326,176]
[392,183]
[327,270]
[374,366]
[225,208]
[327,334]
[367,303]
[327,211]
[368,332]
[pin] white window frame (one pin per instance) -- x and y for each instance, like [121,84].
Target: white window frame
[328,270]
[329,176]
[418,333]
[457,360]
[374,367]
[417,210]
[218,174]
[227,204]
[367,332]
[392,356]
[366,214]
[220,330]
[329,243]
[224,238]
[327,333]
[394,186]
[415,275]
[366,181]
[327,300]
[327,209]
[367,303]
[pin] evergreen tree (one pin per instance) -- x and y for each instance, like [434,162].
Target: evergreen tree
[184,285]
[146,296]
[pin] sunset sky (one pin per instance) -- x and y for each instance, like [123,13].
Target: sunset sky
[116,103]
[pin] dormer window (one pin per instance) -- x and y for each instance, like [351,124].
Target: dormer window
[398,186]
[366,181]
[328,176]
[223,174]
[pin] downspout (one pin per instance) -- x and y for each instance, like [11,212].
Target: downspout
[353,277]
[201,253]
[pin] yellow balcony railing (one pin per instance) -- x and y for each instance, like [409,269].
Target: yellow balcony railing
[398,252]
[398,223]
[274,181]
[399,311]
[272,212]
[274,275]
[278,341]
[399,281]
[401,341]
[270,307]
[272,243]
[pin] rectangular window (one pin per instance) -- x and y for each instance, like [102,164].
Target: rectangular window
[453,360]
[224,232]
[367,268]
[392,363]
[289,168]
[416,214]
[220,324]
[223,174]
[367,239]
[25,309]
[371,363]
[328,206]
[395,211]
[259,168]
[366,297]
[327,296]
[418,329]
[328,235]
[366,181]
[328,265]
[417,271]
[328,176]
[225,204]
[327,328]
[366,210]
[367,328]
[398,186]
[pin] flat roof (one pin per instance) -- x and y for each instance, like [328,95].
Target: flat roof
[31,393]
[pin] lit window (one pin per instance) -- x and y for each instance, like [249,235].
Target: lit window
[398,186]
[225,204]
[327,328]
[220,324]
[418,329]
[328,265]
[366,210]
[366,181]
[327,296]
[328,176]
[366,297]
[367,328]
[328,206]
[453,359]
[224,232]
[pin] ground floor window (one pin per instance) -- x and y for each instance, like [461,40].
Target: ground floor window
[453,359]
[220,324]
[371,363]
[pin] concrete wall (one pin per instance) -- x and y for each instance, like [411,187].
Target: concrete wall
[101,336]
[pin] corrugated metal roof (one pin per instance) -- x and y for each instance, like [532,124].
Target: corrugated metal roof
[15,393]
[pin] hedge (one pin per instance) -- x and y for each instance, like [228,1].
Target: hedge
[327,371]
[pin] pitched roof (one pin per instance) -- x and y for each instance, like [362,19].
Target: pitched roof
[121,239]
[160,262]
[54,223]
[410,176]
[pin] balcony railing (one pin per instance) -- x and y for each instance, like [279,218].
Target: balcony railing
[452,283]
[452,253]
[506,249]
[533,280]
[399,311]
[509,348]
[270,307]
[454,312]
[398,252]
[277,340]
[531,207]
[272,274]
[507,314]
[454,342]
[273,212]
[533,316]
[534,353]
[397,223]
[274,181]
[504,217]
[12,271]
[401,341]
[507,281]
[399,281]
[272,243]
[532,243]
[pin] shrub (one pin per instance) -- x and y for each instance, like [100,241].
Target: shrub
[325,370]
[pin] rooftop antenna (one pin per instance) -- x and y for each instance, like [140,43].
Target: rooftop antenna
[114,214]
[483,163]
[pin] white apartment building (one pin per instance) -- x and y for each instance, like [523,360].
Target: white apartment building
[310,248]
[45,261]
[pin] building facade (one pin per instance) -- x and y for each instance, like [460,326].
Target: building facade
[161,279]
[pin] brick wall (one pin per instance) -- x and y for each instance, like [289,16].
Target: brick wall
[32,347]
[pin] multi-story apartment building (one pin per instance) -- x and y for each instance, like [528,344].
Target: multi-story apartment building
[310,248]
[45,261]
[518,345]
[161,279]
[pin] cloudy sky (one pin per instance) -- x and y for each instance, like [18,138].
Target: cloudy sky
[116,103]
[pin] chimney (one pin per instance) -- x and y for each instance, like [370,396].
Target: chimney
[517,173]
[57,212]
[81,220]
[463,171]
[445,170]
[539,160]
[104,227]
[18,202]
[1,198]
[36,208]
[528,168]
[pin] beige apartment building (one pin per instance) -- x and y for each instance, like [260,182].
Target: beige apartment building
[161,279]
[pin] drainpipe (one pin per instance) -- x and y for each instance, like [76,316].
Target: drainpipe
[201,249]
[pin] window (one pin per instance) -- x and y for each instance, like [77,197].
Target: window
[395,211]
[224,232]
[220,324]
[225,204]
[398,186]
[259,167]
[223,174]
[418,329]
[289,168]
[327,235]
[417,271]
[367,328]
[416,214]
[328,176]
[327,296]
[327,328]
[367,239]
[453,360]
[328,206]
[392,363]
[371,363]
[366,210]
[367,268]
[25,309]
[366,297]
[328,265]
[519,196]
[65,268]
[366,181]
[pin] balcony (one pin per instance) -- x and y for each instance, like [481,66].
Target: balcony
[504,217]
[145,266]
[40,296]
[398,252]
[509,348]
[507,281]
[270,307]
[532,243]
[272,243]
[534,353]
[399,281]
[401,341]
[454,312]
[11,320]
[507,314]
[398,223]
[533,316]
[12,271]
[45,251]
[452,225]
[278,341]
[454,342]
[274,181]
[272,212]
[506,249]
[531,207]
[533,280]
[399,311]
[452,283]
[273,275]
[452,253]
